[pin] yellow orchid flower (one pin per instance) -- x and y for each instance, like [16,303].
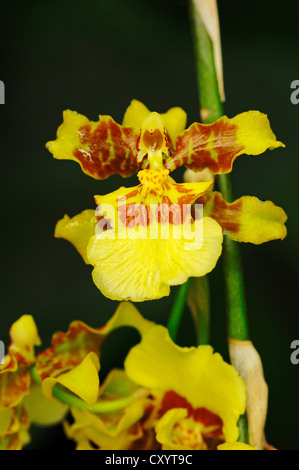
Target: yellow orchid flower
[73,359]
[120,429]
[15,384]
[171,397]
[144,239]
[14,373]
[114,410]
[14,425]
[104,148]
[72,362]
[198,397]
[21,400]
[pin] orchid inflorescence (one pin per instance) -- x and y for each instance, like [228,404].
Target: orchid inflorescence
[141,241]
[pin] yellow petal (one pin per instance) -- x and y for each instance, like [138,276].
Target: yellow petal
[144,269]
[78,230]
[156,187]
[153,242]
[127,315]
[165,426]
[135,114]
[196,374]
[6,420]
[90,438]
[24,336]
[67,135]
[16,435]
[108,432]
[69,349]
[234,446]
[42,411]
[247,219]
[254,133]
[14,385]
[83,380]
[260,222]
[83,444]
[175,120]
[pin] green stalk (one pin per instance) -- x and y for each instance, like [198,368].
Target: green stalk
[212,109]
[209,99]
[210,102]
[199,305]
[177,310]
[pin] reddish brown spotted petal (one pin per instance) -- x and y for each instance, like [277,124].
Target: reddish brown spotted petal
[247,219]
[216,146]
[101,148]
[68,350]
[14,383]
[14,373]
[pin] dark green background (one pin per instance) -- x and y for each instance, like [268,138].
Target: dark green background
[94,56]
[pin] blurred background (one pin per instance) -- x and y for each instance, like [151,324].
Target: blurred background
[94,56]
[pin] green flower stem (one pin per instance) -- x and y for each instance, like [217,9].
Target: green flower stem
[210,101]
[72,400]
[211,110]
[209,98]
[242,425]
[195,292]
[177,310]
[199,305]
[235,294]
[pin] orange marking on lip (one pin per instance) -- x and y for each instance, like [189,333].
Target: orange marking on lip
[133,194]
